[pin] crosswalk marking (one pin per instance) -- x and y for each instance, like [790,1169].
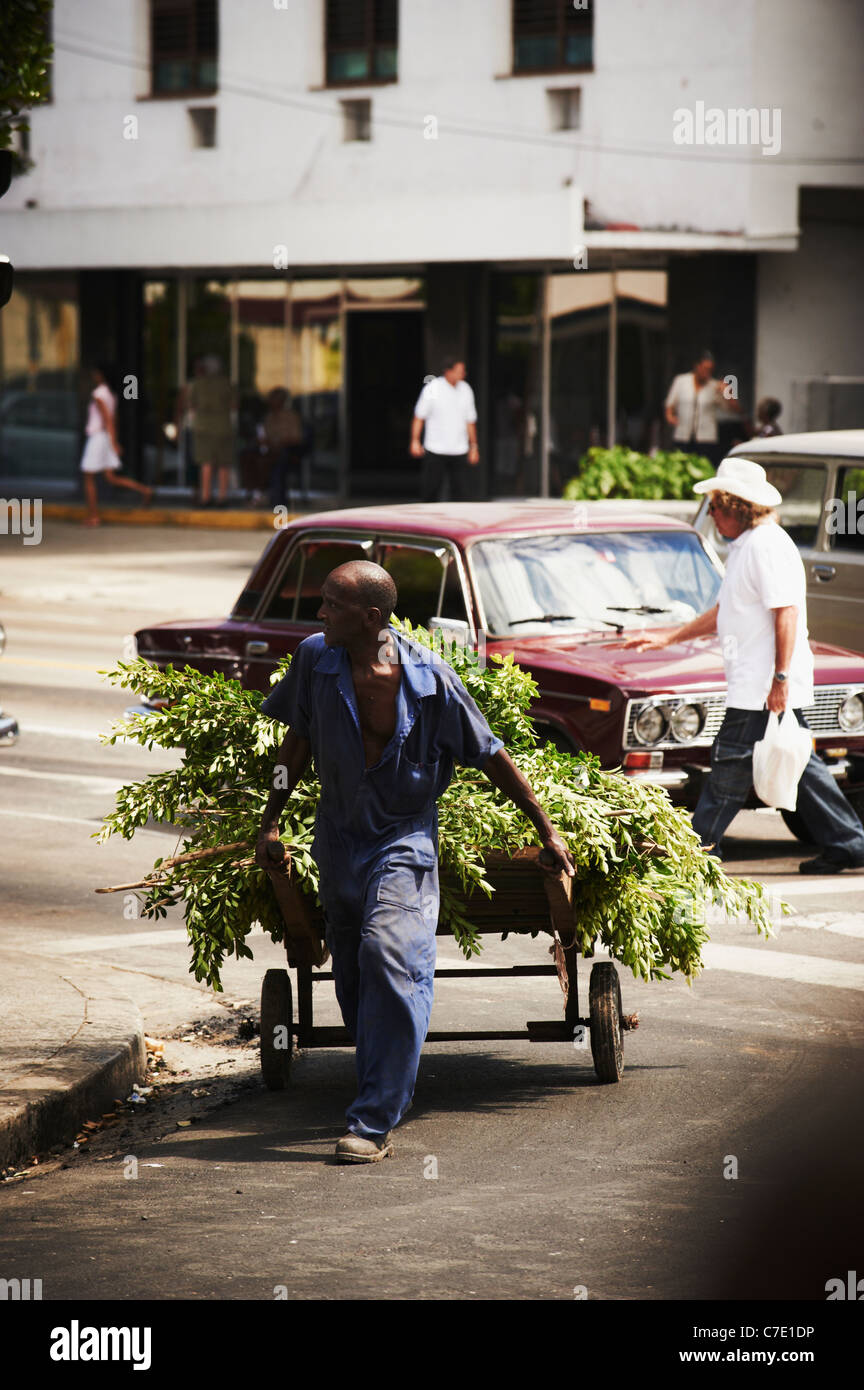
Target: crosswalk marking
[852,925]
[784,965]
[75,820]
[112,784]
[80,945]
[830,887]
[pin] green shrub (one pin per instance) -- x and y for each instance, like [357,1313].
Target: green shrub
[622,472]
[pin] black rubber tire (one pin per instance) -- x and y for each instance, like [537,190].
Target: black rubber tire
[604,1009]
[277,1011]
[795,823]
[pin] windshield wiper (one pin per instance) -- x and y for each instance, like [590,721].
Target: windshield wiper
[640,608]
[545,618]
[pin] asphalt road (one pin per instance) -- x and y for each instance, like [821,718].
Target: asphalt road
[517,1176]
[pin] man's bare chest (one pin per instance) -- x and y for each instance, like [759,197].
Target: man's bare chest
[376,697]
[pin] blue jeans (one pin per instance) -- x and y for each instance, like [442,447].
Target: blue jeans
[381,934]
[829,819]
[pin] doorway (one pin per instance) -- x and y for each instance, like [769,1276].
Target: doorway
[385,377]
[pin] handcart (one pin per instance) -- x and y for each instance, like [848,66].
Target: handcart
[527,898]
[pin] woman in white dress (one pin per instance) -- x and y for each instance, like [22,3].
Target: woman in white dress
[102,452]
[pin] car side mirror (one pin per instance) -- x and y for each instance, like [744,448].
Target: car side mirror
[456,630]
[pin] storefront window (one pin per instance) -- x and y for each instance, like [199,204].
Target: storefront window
[315,375]
[163,442]
[580,310]
[41,387]
[579,307]
[516,378]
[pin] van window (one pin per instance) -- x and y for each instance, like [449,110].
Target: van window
[844,513]
[802,488]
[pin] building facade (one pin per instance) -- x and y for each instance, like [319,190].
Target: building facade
[334,195]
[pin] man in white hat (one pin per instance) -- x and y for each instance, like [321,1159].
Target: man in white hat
[761,619]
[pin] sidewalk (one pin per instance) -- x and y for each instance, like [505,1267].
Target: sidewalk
[71,1045]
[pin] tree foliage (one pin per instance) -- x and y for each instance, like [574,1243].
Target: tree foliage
[25,56]
[643,881]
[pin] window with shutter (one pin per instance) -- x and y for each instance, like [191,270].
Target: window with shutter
[553,35]
[184,43]
[361,41]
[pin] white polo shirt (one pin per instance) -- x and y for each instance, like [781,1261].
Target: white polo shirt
[447,411]
[697,409]
[763,571]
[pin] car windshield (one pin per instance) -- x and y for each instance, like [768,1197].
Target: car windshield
[532,585]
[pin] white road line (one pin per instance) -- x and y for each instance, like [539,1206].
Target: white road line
[79,945]
[76,820]
[777,965]
[112,784]
[824,888]
[55,731]
[853,925]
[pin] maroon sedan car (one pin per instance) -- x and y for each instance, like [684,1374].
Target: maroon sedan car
[555,584]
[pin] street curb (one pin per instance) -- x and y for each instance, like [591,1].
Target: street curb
[211,518]
[98,1065]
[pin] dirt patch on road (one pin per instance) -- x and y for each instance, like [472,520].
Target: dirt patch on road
[199,1068]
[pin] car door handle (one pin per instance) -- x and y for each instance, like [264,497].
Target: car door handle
[257,648]
[824,572]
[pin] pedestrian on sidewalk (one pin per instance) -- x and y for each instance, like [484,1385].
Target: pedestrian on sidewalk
[283,436]
[761,617]
[211,399]
[102,451]
[446,408]
[385,719]
[691,408]
[767,414]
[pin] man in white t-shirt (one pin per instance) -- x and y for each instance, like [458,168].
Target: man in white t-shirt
[761,618]
[446,408]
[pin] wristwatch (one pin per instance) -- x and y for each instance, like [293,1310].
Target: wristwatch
[781,675]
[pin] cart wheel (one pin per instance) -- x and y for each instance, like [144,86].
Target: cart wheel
[277,1021]
[604,1005]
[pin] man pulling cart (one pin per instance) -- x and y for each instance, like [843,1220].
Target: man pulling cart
[385,721]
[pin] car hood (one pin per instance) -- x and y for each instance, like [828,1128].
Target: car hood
[694,665]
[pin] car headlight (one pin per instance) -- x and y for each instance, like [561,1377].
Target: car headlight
[850,715]
[685,722]
[650,725]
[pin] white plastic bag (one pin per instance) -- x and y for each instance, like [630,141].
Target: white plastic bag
[779,760]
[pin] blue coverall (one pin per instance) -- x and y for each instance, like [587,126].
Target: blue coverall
[376,846]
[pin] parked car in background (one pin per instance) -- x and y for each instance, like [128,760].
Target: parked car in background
[40,434]
[821,478]
[8,725]
[554,584]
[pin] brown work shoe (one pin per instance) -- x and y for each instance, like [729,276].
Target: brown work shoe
[353,1148]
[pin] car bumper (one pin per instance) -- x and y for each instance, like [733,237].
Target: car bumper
[685,783]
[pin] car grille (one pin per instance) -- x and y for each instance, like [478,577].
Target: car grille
[821,715]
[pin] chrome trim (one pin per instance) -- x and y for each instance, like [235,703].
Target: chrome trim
[672,777]
[566,695]
[821,715]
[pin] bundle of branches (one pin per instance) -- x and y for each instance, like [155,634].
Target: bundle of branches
[643,880]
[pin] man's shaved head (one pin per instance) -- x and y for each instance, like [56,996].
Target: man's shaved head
[370,585]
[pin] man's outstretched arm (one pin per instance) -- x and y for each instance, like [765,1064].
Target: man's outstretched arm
[291,763]
[505,775]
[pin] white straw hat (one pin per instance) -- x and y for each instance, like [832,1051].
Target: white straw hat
[743,478]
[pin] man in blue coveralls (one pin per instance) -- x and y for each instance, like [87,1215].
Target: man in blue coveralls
[385,721]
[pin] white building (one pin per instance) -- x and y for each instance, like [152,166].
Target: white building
[333,194]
